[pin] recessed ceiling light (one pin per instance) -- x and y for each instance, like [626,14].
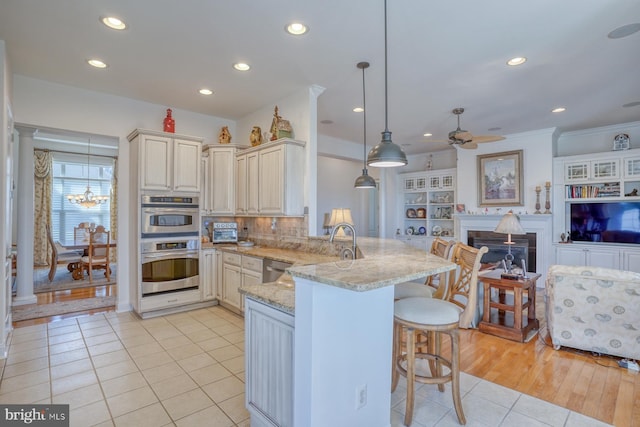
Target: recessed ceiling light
[205,91]
[358,110]
[113,22]
[427,134]
[296,29]
[96,63]
[326,122]
[624,31]
[241,66]
[406,145]
[558,110]
[493,129]
[632,104]
[518,60]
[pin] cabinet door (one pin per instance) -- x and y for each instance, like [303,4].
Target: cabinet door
[447,182]
[241,185]
[271,185]
[269,364]
[434,182]
[253,183]
[221,164]
[604,169]
[576,171]
[231,282]
[570,255]
[155,163]
[208,274]
[604,257]
[632,167]
[219,276]
[631,260]
[186,165]
[205,204]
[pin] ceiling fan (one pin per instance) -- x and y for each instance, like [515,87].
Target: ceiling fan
[464,139]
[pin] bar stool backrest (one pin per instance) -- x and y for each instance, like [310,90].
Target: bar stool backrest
[463,286]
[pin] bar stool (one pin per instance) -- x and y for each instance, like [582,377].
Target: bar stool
[420,316]
[432,317]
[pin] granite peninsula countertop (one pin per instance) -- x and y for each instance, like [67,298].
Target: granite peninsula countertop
[385,263]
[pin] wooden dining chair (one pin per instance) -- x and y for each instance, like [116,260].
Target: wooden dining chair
[98,254]
[80,234]
[60,255]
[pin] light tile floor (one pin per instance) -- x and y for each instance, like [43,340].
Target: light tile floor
[187,369]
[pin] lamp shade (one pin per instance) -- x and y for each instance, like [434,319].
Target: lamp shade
[365,181]
[327,219]
[339,215]
[510,224]
[386,154]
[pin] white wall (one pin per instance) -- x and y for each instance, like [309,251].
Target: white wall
[537,149]
[335,190]
[596,140]
[52,105]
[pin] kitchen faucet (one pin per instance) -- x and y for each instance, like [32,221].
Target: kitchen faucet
[353,237]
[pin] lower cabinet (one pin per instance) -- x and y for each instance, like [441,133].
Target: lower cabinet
[208,274]
[615,257]
[237,271]
[269,355]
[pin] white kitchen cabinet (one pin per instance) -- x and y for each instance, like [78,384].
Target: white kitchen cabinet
[591,255]
[219,275]
[269,358]
[231,281]
[220,185]
[167,162]
[208,274]
[237,271]
[272,181]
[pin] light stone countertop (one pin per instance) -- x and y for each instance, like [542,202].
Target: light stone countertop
[385,263]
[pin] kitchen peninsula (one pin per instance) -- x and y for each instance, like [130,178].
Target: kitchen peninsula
[336,323]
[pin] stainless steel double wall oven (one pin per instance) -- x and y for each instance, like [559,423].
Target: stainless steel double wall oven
[169,243]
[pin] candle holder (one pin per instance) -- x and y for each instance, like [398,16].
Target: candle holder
[547,203]
[537,201]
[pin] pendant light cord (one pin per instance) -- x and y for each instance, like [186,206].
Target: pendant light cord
[386,106]
[364,107]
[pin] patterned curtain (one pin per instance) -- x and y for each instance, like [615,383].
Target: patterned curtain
[114,209]
[43,188]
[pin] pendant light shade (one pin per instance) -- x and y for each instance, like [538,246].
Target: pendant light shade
[364,180]
[386,154]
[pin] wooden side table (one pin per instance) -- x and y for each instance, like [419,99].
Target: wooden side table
[504,316]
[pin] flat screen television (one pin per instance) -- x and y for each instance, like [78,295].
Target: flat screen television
[610,222]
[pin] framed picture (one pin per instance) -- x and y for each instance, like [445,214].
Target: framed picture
[500,179]
[460,208]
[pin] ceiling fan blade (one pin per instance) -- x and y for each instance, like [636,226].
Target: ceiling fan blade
[486,138]
[468,145]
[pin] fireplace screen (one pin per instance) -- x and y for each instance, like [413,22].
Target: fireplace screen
[524,247]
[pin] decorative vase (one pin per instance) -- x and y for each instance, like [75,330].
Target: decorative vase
[169,123]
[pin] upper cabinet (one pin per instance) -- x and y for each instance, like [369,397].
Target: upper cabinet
[218,189]
[167,162]
[270,179]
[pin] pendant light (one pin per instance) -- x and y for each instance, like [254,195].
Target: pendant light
[87,199]
[386,154]
[364,180]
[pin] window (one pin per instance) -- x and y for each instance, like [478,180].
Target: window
[70,177]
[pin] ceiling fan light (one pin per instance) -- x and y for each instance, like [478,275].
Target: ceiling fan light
[386,154]
[518,60]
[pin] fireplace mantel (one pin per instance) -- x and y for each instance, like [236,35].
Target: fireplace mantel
[539,224]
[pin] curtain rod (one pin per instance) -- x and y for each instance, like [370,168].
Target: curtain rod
[74,152]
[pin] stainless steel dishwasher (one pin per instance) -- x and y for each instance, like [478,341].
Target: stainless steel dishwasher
[272,269]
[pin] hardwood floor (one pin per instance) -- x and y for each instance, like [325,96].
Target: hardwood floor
[592,385]
[70,295]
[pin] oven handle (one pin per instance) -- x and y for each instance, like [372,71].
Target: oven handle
[168,255]
[169,210]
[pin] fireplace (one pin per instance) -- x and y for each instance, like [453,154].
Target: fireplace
[537,225]
[524,247]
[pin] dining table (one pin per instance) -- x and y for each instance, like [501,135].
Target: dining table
[80,243]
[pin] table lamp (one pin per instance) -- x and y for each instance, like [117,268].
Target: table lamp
[327,224]
[509,224]
[339,215]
